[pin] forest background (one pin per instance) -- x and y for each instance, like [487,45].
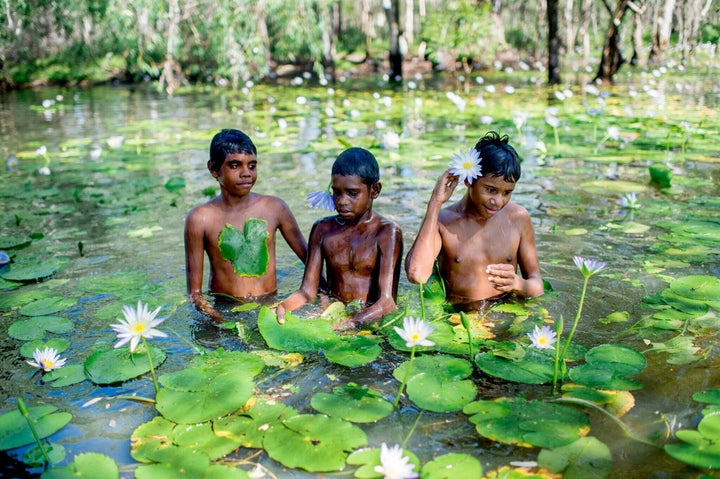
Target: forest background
[231,42]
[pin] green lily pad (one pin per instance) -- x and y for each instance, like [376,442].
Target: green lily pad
[314,443]
[175,462]
[118,365]
[34,457]
[89,465]
[19,298]
[36,327]
[118,283]
[709,396]
[608,366]
[527,423]
[32,270]
[248,429]
[296,335]
[28,349]
[15,432]
[65,376]
[46,306]
[586,457]
[697,287]
[10,242]
[437,382]
[533,367]
[699,448]
[247,250]
[453,466]
[369,458]
[661,175]
[680,349]
[353,403]
[353,351]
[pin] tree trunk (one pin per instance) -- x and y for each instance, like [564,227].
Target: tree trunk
[662,28]
[329,15]
[612,58]
[392,12]
[172,74]
[553,43]
[637,40]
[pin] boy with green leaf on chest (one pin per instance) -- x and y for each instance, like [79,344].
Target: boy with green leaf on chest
[236,229]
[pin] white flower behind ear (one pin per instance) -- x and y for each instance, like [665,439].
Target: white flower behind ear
[466,165]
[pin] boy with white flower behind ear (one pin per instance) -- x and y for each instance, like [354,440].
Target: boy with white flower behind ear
[480,241]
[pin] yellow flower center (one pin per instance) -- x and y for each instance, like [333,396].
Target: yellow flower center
[467,165]
[415,336]
[543,340]
[139,327]
[47,363]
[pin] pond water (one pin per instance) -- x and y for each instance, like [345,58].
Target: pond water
[108,220]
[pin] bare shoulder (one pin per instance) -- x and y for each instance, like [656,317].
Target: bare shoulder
[386,226]
[517,212]
[202,210]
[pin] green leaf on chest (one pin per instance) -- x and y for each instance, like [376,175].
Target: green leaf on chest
[247,249]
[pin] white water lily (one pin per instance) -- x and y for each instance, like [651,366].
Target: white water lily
[466,165]
[393,465]
[139,323]
[415,332]
[588,267]
[629,201]
[47,359]
[542,338]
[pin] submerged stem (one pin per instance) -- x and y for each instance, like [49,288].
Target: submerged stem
[152,368]
[26,414]
[407,375]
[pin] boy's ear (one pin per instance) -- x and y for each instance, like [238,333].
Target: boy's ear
[212,172]
[375,189]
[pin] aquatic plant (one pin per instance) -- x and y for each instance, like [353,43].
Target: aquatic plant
[466,165]
[394,465]
[139,325]
[629,201]
[322,200]
[47,359]
[415,332]
[542,338]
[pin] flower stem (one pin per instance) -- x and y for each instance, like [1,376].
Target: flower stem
[407,375]
[412,430]
[152,368]
[577,320]
[558,332]
[422,302]
[26,414]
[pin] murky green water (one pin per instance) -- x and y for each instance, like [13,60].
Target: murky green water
[109,212]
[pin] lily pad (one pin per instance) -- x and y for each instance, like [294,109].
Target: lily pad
[15,432]
[353,351]
[453,466]
[59,344]
[533,367]
[586,457]
[118,365]
[699,448]
[36,327]
[89,465]
[697,287]
[248,428]
[314,443]
[65,376]
[437,383]
[10,242]
[369,458]
[353,403]
[32,270]
[117,283]
[527,423]
[296,335]
[247,250]
[608,366]
[175,462]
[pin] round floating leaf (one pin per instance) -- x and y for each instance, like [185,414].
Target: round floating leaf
[369,458]
[219,471]
[65,376]
[527,423]
[149,437]
[35,328]
[534,367]
[32,270]
[175,463]
[34,457]
[353,351]
[15,432]
[686,305]
[247,250]
[202,438]
[175,183]
[437,382]
[353,403]
[46,306]
[198,394]
[18,298]
[608,366]
[701,448]
[586,457]
[10,242]
[117,283]
[697,287]
[59,344]
[709,396]
[248,429]
[296,335]
[452,466]
[89,465]
[118,365]
[315,443]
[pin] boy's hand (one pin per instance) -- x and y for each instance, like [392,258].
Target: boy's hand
[502,276]
[444,187]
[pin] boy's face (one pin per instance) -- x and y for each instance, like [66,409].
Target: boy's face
[490,194]
[237,174]
[352,197]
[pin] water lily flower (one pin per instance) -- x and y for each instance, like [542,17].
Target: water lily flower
[629,201]
[588,267]
[613,132]
[390,141]
[47,359]
[542,338]
[552,120]
[393,465]
[139,323]
[42,151]
[415,332]
[466,165]
[4,258]
[12,163]
[321,200]
[115,141]
[44,171]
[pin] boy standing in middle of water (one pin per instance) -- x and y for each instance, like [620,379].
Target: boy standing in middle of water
[361,250]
